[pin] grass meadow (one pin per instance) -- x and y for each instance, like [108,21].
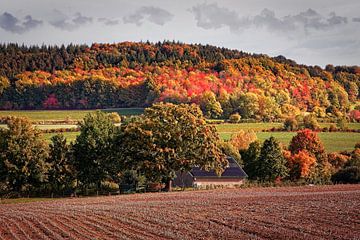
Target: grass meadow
[333,141]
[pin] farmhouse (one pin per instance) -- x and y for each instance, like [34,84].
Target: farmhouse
[198,178]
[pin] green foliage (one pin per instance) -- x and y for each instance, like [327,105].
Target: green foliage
[210,106]
[342,123]
[272,164]
[251,160]
[347,175]
[93,149]
[310,122]
[229,150]
[167,139]
[61,170]
[22,156]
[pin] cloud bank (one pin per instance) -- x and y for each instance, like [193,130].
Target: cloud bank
[211,16]
[63,22]
[10,23]
[155,15]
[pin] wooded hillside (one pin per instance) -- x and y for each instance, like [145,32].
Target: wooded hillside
[220,80]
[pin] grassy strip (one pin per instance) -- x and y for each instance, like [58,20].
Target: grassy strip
[56,115]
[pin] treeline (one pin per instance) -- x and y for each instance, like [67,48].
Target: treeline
[221,81]
[166,139]
[151,149]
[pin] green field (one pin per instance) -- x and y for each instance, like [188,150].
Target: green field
[235,127]
[48,115]
[70,136]
[333,141]
[257,127]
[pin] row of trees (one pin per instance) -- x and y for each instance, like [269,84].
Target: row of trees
[166,139]
[304,160]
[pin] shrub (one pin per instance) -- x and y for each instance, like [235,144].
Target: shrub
[347,175]
[242,139]
[311,122]
[342,123]
[291,124]
[234,118]
[115,117]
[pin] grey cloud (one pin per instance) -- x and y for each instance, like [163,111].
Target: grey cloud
[63,22]
[357,19]
[155,15]
[12,24]
[108,22]
[211,16]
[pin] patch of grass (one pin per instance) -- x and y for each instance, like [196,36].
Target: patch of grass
[235,127]
[24,200]
[355,126]
[333,141]
[48,115]
[70,136]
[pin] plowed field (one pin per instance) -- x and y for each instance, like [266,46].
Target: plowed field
[326,212]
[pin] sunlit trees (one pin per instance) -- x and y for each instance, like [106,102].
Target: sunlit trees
[93,149]
[242,139]
[167,139]
[210,106]
[302,165]
[22,156]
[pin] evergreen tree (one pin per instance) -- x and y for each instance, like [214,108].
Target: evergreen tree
[61,171]
[272,163]
[93,149]
[250,158]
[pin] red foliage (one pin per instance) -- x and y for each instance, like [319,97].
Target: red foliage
[51,102]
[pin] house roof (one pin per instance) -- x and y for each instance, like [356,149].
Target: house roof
[232,171]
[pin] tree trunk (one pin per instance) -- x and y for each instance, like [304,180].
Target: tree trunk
[168,186]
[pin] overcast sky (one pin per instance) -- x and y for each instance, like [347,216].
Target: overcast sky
[314,32]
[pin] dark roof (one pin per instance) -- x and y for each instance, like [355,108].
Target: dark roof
[232,171]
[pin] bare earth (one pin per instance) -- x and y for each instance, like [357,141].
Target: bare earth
[325,212]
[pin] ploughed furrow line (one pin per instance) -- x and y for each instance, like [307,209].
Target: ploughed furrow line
[30,223]
[8,230]
[22,231]
[170,227]
[85,228]
[127,227]
[83,224]
[97,226]
[74,225]
[50,228]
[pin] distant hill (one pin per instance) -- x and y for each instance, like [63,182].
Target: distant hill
[132,74]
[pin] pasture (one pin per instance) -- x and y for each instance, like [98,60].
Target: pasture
[307,212]
[56,115]
[333,141]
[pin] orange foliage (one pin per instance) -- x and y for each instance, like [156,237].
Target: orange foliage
[301,164]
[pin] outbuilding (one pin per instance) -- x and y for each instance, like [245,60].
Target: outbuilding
[232,176]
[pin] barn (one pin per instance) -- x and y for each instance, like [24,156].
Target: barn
[233,175]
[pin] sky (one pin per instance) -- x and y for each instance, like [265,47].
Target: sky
[312,32]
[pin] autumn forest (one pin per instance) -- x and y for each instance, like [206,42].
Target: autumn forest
[137,74]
